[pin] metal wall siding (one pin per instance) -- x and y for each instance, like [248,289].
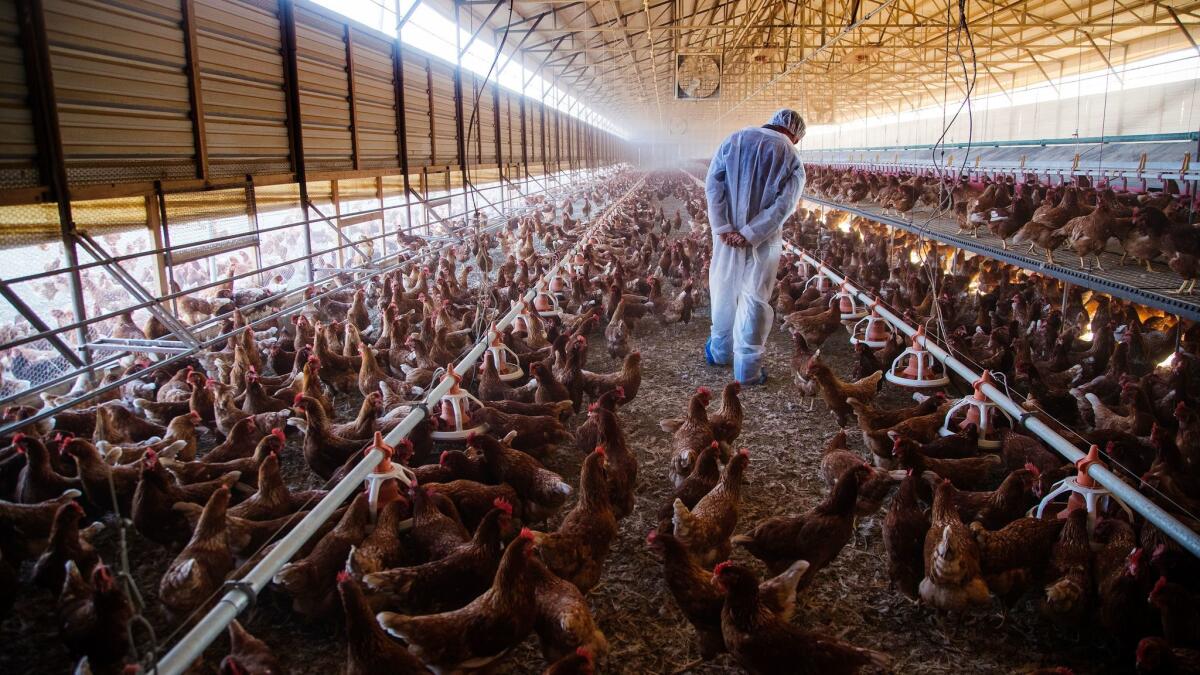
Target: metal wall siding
[18,148]
[123,81]
[241,83]
[121,89]
[445,129]
[416,108]
[375,101]
[324,90]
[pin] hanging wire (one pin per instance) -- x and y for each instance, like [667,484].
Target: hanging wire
[479,94]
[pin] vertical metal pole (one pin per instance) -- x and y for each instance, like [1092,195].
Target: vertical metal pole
[355,151]
[291,84]
[195,97]
[401,120]
[51,160]
[459,121]
[252,215]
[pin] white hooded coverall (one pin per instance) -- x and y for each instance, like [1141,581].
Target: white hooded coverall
[753,185]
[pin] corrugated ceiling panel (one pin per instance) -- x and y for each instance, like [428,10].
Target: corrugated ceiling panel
[121,88]
[324,90]
[241,81]
[445,128]
[375,101]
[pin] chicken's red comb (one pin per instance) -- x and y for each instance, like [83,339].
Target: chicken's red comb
[704,391]
[721,567]
[1158,586]
[526,533]
[593,407]
[621,391]
[744,452]
[599,450]
[471,437]
[195,416]
[278,433]
[502,504]
[1032,468]
[18,438]
[298,399]
[584,653]
[442,458]
[343,575]
[652,537]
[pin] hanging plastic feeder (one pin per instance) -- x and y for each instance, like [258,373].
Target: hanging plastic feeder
[1082,492]
[803,268]
[545,303]
[979,410]
[457,410]
[848,304]
[559,285]
[872,330]
[823,282]
[916,367]
[504,358]
[384,471]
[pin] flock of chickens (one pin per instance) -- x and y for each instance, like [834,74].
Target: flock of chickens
[957,530]
[488,546]
[1147,225]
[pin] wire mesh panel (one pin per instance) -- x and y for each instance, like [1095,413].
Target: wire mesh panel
[282,233]
[241,66]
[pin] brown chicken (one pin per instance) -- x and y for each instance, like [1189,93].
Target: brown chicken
[628,378]
[1069,573]
[815,329]
[1119,574]
[369,650]
[542,491]
[92,617]
[706,529]
[837,458]
[967,474]
[156,494]
[38,481]
[691,586]
[248,655]
[689,436]
[764,643]
[577,549]
[1156,656]
[201,567]
[953,578]
[65,544]
[999,507]
[310,580]
[726,423]
[564,624]
[817,535]
[487,627]
[323,450]
[454,580]
[835,392]
[616,334]
[904,530]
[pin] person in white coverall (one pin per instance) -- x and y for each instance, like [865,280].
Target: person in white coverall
[753,186]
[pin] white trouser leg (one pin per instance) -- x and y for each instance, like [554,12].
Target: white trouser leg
[725,274]
[754,312]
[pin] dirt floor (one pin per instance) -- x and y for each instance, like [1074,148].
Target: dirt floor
[646,632]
